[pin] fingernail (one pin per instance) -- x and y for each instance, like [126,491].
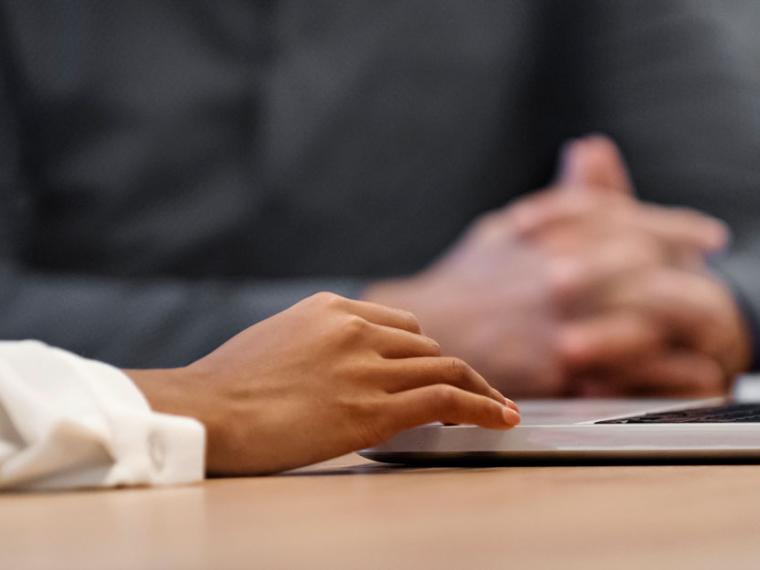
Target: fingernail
[511,417]
[512,405]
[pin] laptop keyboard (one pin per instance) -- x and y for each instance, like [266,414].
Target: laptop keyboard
[726,413]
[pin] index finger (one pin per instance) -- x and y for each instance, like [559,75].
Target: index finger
[675,226]
[535,212]
[675,374]
[446,404]
[682,226]
[608,339]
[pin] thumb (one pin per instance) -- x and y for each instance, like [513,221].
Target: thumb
[594,162]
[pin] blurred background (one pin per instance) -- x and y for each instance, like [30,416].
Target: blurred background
[172,172]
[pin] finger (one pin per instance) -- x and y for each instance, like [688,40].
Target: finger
[447,404]
[556,204]
[676,228]
[392,342]
[681,227]
[607,339]
[674,374]
[595,162]
[411,373]
[386,316]
[682,303]
[576,280]
[694,310]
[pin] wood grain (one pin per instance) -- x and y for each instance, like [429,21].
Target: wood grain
[349,513]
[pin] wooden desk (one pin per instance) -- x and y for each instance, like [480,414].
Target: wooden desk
[352,514]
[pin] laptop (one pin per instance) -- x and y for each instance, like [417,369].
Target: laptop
[563,431]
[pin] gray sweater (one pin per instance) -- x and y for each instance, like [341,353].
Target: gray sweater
[172,171]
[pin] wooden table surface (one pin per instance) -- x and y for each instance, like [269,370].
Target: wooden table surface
[350,513]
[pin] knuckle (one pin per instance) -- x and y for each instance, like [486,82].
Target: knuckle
[327,299]
[444,397]
[564,278]
[456,369]
[371,372]
[355,326]
[641,252]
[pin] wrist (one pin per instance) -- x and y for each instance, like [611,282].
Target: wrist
[188,392]
[163,389]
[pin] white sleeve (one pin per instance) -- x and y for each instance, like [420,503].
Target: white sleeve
[66,421]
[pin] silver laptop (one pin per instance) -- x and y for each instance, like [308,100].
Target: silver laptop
[591,430]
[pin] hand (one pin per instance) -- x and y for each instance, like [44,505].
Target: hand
[669,332]
[323,378]
[500,297]
[669,328]
[487,301]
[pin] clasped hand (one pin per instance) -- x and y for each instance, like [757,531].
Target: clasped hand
[582,290]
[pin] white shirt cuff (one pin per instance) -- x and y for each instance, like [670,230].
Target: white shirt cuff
[66,421]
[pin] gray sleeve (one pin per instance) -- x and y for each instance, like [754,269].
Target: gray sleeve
[125,322]
[140,324]
[677,83]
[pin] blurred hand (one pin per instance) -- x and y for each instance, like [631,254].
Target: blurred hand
[487,301]
[520,296]
[657,322]
[323,378]
[670,332]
